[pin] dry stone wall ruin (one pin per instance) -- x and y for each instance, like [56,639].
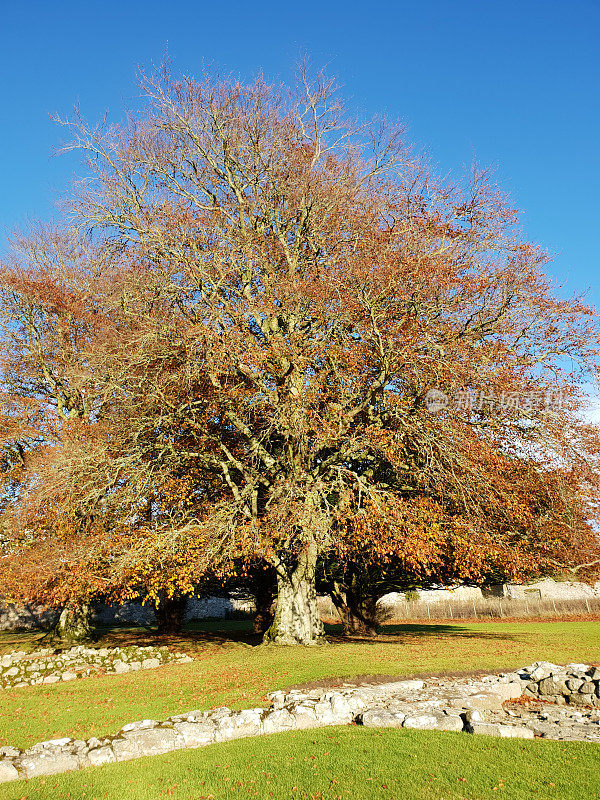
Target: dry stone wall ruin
[47,666]
[514,705]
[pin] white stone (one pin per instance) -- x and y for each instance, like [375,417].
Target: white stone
[340,707]
[515,732]
[143,724]
[507,691]
[484,700]
[421,722]
[236,726]
[278,720]
[101,755]
[474,715]
[196,734]
[8,771]
[37,764]
[12,672]
[305,716]
[53,743]
[382,718]
[147,743]
[449,722]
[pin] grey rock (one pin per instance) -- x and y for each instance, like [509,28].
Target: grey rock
[382,718]
[277,698]
[490,702]
[120,666]
[448,722]
[150,663]
[548,686]
[506,691]
[580,700]
[573,684]
[33,765]
[141,725]
[503,731]
[305,716]
[340,707]
[422,722]
[100,755]
[196,734]
[515,732]
[587,688]
[574,669]
[544,669]
[474,715]
[244,723]
[278,720]
[405,687]
[53,744]
[146,743]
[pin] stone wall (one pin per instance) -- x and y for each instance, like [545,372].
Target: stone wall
[26,617]
[574,684]
[48,666]
[481,705]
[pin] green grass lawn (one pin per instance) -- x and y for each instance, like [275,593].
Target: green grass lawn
[341,764]
[233,673]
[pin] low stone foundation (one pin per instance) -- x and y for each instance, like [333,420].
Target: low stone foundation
[493,705]
[574,684]
[52,666]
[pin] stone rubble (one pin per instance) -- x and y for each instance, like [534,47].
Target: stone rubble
[524,704]
[49,666]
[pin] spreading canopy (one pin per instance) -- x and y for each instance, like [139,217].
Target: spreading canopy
[266,300]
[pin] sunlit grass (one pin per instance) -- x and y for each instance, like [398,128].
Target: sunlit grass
[235,674]
[341,764]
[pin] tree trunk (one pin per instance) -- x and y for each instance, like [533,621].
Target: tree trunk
[170,614]
[264,594]
[297,619]
[74,625]
[358,614]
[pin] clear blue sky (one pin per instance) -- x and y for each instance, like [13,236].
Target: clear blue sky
[515,84]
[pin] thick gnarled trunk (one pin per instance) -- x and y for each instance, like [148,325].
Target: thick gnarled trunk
[297,619]
[264,595]
[170,614]
[358,614]
[74,625]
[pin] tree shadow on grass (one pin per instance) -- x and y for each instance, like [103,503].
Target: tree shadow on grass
[398,633]
[220,632]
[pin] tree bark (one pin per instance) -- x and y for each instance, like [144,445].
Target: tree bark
[358,613]
[296,619]
[264,594]
[74,625]
[170,614]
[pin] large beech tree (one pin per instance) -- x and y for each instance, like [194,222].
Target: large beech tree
[269,293]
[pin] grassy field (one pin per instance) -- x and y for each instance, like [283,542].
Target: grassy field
[341,764]
[233,673]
